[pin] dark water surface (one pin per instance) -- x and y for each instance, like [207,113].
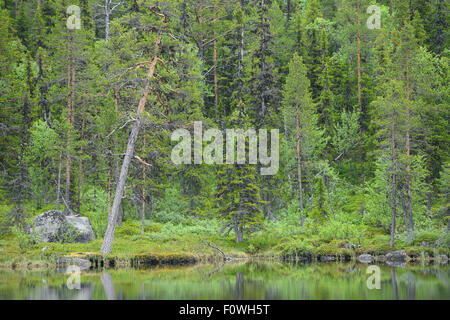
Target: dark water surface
[233,281]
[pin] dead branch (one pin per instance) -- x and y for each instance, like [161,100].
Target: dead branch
[142,161]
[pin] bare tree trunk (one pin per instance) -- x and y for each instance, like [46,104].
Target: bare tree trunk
[408,152]
[360,108]
[358,43]
[58,185]
[109,188]
[69,120]
[80,168]
[143,193]
[299,167]
[394,185]
[116,162]
[216,94]
[107,19]
[151,203]
[288,10]
[109,235]
[405,212]
[216,89]
[238,234]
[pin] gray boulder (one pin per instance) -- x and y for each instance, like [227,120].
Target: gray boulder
[54,226]
[396,256]
[83,228]
[365,258]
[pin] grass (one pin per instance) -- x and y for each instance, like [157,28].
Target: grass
[168,243]
[173,236]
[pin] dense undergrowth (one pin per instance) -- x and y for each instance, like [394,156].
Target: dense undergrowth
[180,235]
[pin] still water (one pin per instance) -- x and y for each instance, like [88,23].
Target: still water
[232,281]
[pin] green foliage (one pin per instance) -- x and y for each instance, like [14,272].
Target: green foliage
[24,240]
[68,99]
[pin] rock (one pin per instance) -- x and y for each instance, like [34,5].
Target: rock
[365,258]
[443,258]
[381,258]
[54,226]
[396,256]
[82,225]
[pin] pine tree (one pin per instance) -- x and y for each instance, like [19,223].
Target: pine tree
[298,106]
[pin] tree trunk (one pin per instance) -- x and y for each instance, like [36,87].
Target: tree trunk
[109,235]
[238,233]
[394,185]
[116,148]
[150,203]
[80,168]
[288,10]
[405,212]
[299,168]
[143,194]
[107,19]
[358,43]
[69,120]
[109,189]
[216,89]
[408,152]
[58,184]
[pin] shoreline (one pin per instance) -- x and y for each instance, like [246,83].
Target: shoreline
[97,261]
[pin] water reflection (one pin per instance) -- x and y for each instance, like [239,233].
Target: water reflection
[394,284]
[234,281]
[411,295]
[85,292]
[108,286]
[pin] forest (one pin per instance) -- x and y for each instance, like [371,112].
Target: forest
[92,91]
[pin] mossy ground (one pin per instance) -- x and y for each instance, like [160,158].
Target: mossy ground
[169,244]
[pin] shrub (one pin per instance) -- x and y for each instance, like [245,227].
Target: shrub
[24,240]
[426,236]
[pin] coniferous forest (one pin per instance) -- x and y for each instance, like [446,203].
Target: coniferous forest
[92,92]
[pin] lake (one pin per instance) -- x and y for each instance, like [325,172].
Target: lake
[246,280]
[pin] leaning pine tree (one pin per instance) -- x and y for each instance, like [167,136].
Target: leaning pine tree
[109,235]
